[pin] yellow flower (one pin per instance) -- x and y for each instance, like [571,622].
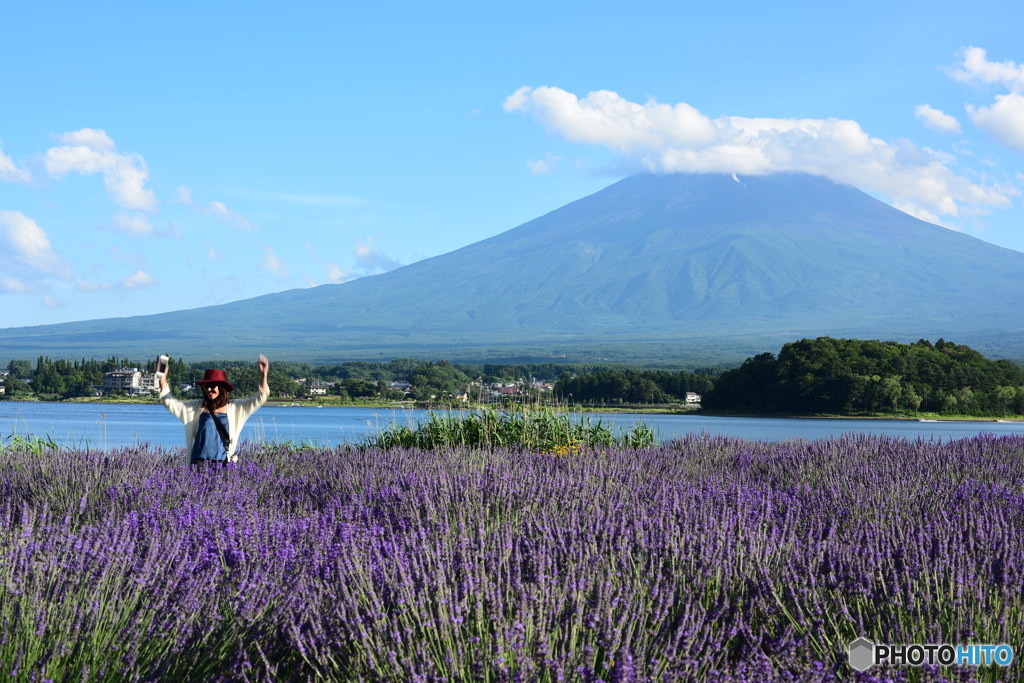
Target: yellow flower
[566,449]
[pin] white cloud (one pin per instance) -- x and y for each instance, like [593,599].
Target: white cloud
[221,211]
[540,167]
[25,247]
[936,119]
[88,152]
[678,138]
[272,262]
[975,67]
[545,166]
[133,224]
[91,138]
[217,209]
[917,212]
[1003,120]
[137,280]
[140,279]
[335,273]
[24,236]
[10,172]
[12,285]
[373,261]
[605,118]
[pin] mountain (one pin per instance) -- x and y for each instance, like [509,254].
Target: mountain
[691,259]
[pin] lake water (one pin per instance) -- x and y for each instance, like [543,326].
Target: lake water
[110,426]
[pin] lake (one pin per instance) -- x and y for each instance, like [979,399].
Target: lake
[107,426]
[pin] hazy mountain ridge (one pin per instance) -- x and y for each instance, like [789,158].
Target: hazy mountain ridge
[679,256]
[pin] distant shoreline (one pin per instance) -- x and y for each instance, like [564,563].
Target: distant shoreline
[652,410]
[924,417]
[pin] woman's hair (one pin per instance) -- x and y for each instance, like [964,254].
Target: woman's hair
[219,402]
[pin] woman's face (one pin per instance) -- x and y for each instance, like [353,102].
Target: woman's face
[212,391]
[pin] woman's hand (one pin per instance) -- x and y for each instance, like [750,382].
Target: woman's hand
[263,365]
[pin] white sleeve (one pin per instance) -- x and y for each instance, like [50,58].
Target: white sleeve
[179,409]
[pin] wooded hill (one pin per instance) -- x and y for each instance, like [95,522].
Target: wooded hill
[850,377]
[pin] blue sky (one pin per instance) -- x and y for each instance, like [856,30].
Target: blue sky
[158,157]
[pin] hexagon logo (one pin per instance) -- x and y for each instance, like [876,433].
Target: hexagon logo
[862,654]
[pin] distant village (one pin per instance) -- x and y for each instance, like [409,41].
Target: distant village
[424,383]
[134,382]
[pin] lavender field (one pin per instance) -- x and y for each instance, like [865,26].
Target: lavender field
[705,559]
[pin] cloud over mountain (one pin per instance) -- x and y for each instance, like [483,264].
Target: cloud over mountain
[668,138]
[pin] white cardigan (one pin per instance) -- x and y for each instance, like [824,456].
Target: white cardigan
[190,411]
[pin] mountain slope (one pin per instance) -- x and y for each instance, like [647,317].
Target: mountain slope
[656,256]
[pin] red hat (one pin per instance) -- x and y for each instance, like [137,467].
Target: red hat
[212,376]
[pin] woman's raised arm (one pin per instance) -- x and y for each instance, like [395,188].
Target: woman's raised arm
[263,365]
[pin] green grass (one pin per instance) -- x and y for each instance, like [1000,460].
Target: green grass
[533,428]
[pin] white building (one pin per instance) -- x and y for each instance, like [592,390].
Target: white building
[149,383]
[319,388]
[123,379]
[130,380]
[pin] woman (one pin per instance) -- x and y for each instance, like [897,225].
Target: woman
[204,440]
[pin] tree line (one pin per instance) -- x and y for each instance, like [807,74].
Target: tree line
[809,376]
[631,385]
[430,380]
[850,376]
[64,378]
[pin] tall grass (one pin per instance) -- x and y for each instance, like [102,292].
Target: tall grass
[538,429]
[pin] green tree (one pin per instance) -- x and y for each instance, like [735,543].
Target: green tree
[15,387]
[440,380]
[892,392]
[21,369]
[850,376]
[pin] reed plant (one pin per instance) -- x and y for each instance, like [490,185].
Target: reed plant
[31,443]
[533,428]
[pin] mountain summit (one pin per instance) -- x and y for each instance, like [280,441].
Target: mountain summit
[651,257]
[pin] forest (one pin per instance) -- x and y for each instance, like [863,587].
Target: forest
[854,377]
